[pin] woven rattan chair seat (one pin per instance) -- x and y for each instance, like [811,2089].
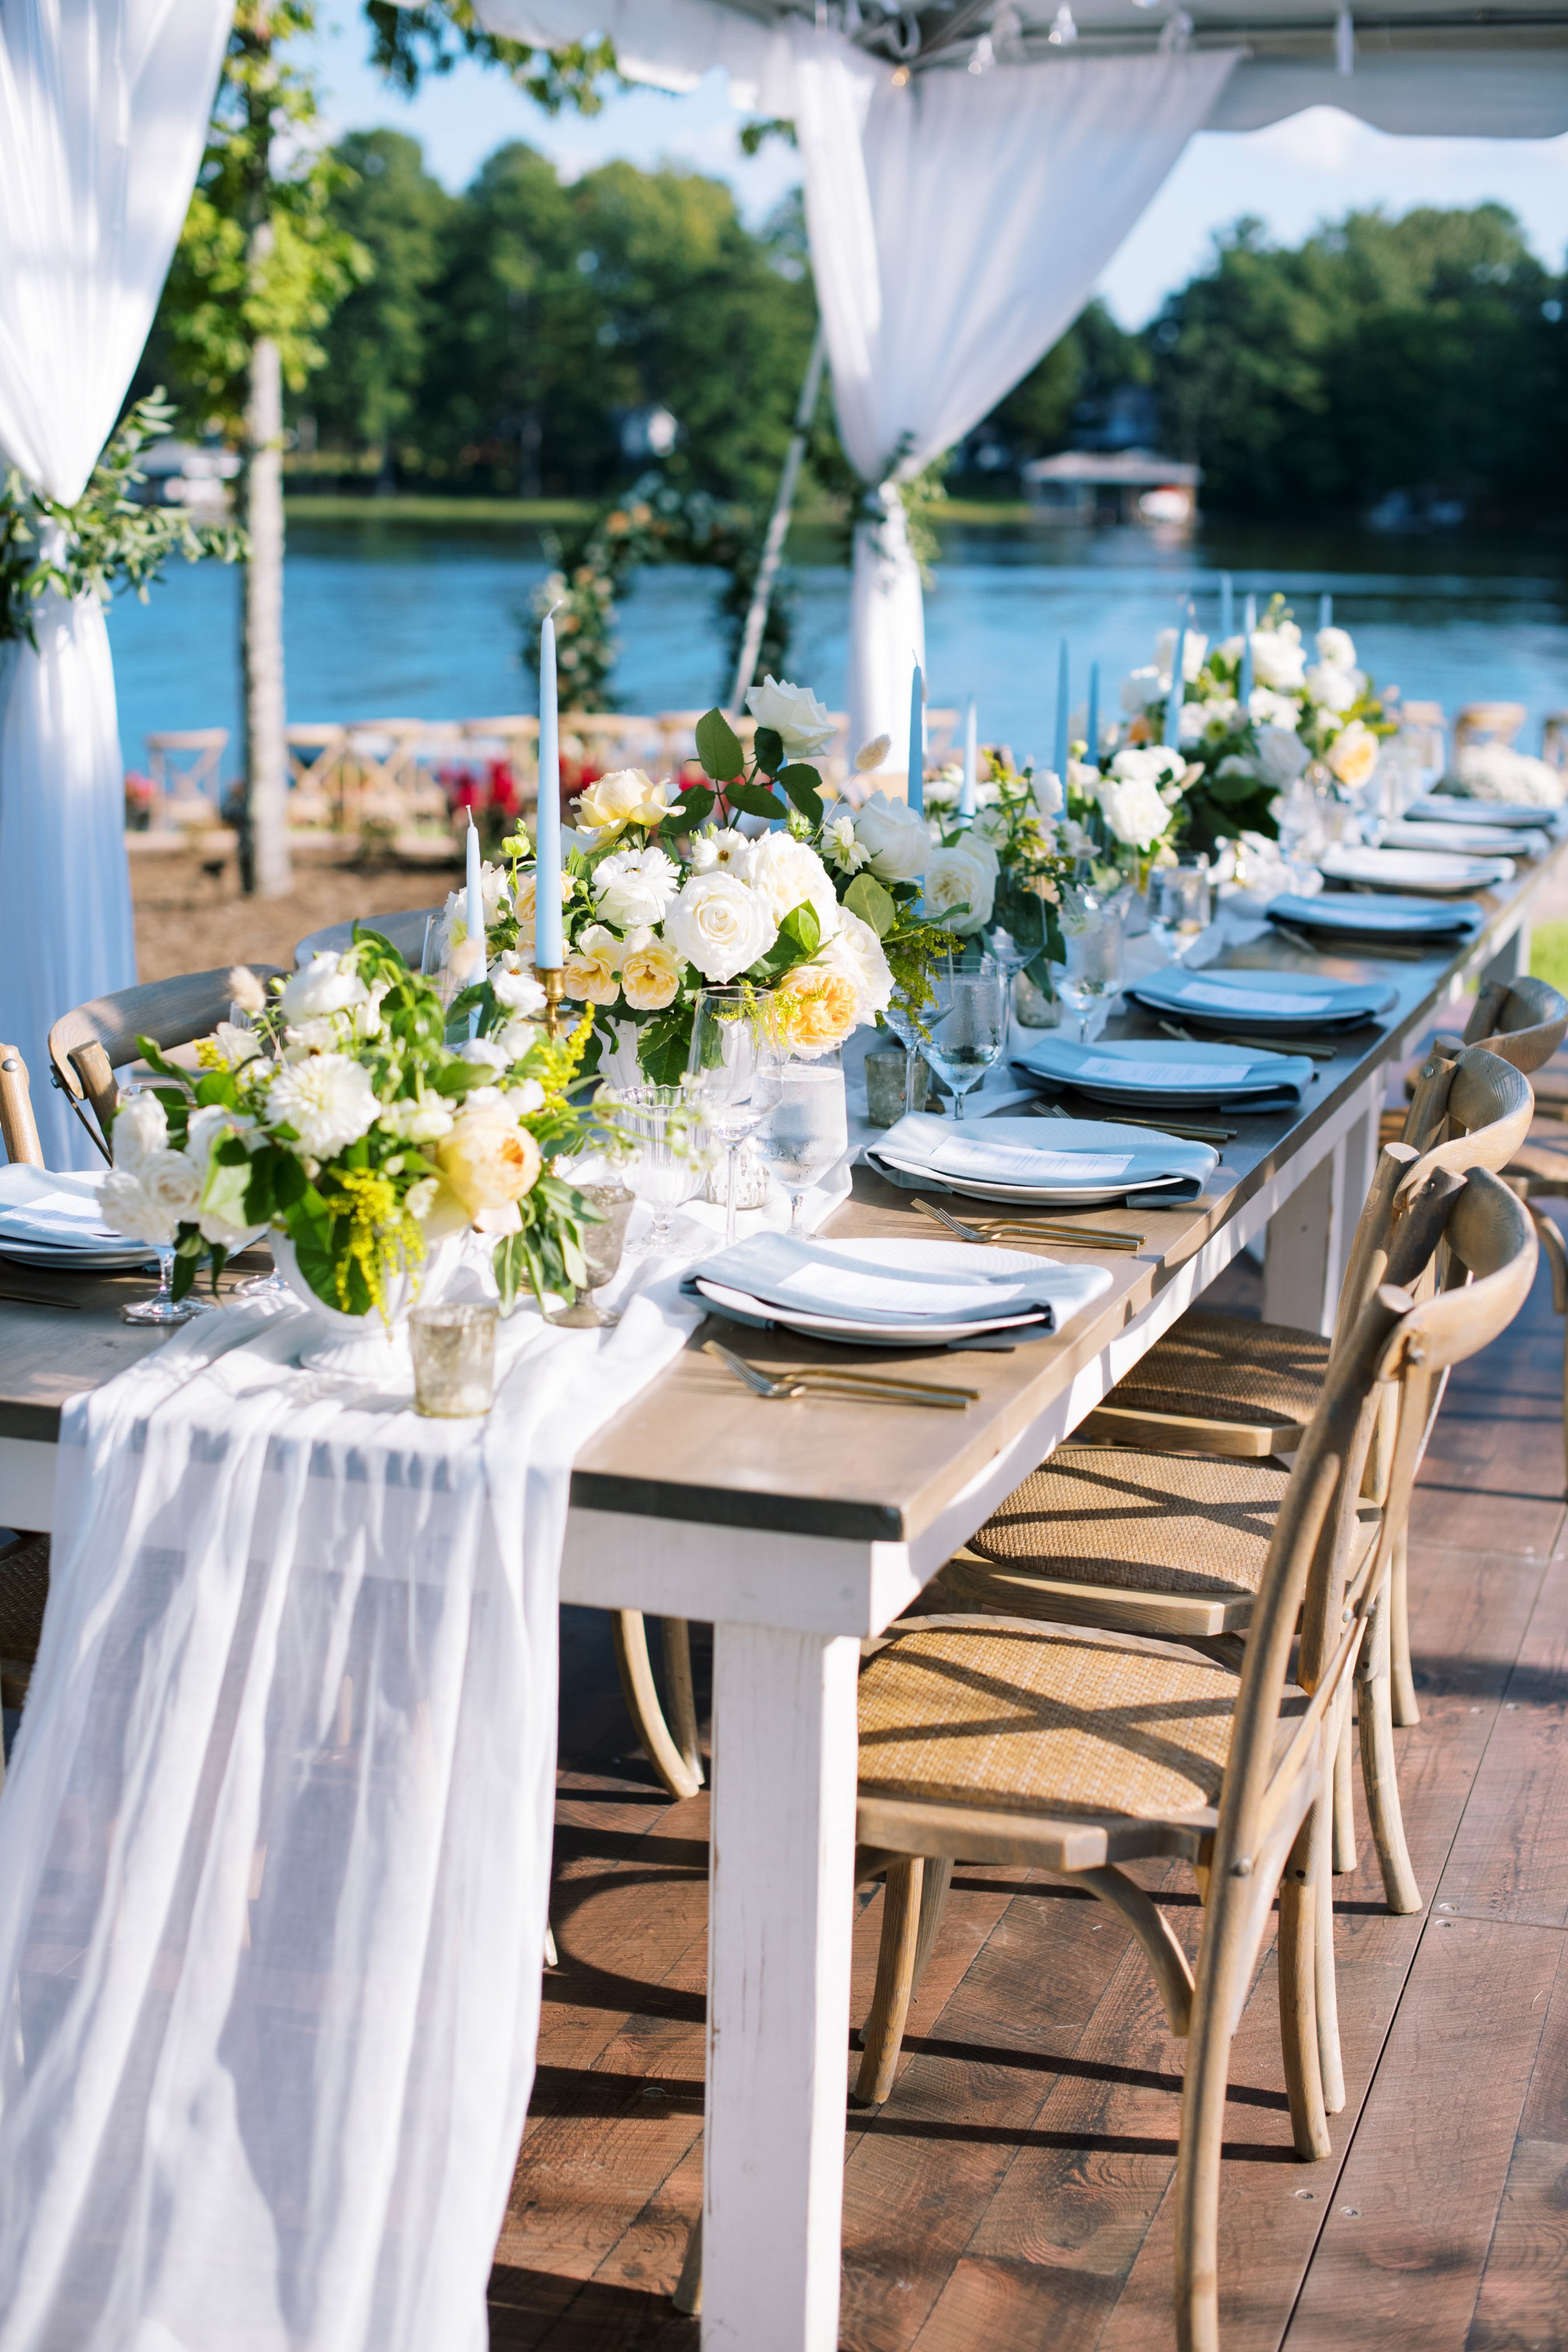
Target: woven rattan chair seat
[1228,1368]
[1047,1719]
[1113,1515]
[24,1589]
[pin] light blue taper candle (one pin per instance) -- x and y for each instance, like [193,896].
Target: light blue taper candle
[1248,624]
[917,739]
[548,952]
[1178,686]
[968,798]
[1094,714]
[474,912]
[1226,604]
[1060,761]
[1325,611]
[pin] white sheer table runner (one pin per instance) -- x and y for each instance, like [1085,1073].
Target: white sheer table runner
[275,1847]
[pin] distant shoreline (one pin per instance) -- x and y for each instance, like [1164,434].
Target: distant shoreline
[309,506]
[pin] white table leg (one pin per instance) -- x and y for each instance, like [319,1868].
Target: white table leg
[780,1918]
[1309,1235]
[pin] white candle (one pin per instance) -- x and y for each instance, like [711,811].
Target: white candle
[917,739]
[549,954]
[474,910]
[968,799]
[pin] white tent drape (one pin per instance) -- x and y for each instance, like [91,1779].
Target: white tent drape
[958,223]
[104,106]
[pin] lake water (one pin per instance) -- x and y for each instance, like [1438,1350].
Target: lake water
[387,619]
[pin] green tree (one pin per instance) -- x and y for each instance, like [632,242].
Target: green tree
[1093,358]
[1379,354]
[377,343]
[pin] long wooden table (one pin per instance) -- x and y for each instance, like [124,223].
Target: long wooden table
[797,1529]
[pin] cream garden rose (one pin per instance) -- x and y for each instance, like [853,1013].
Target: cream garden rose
[960,890]
[591,969]
[487,1162]
[650,976]
[816,1007]
[856,950]
[721,926]
[794,714]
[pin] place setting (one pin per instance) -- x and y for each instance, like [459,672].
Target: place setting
[1150,1076]
[1428,872]
[1403,927]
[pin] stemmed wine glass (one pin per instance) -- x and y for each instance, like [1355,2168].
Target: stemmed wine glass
[968,1028]
[672,1152]
[904,1021]
[162,1308]
[733,1074]
[806,1133]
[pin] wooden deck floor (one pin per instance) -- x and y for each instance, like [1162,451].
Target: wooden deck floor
[1015,2190]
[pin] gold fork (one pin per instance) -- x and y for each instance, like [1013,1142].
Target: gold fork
[1186,1130]
[990,1229]
[873,1388]
[1251,1045]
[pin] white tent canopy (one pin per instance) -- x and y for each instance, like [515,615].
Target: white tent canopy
[970,169]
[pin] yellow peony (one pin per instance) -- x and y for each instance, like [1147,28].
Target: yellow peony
[816,1009]
[1353,755]
[650,976]
[487,1163]
[625,797]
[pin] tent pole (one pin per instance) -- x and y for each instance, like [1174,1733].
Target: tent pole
[778,528]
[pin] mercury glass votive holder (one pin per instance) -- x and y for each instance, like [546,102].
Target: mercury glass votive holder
[603,1245]
[454,1351]
[885,1079]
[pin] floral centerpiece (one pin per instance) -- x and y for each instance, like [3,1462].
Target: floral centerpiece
[664,892]
[1005,868]
[343,1121]
[1236,759]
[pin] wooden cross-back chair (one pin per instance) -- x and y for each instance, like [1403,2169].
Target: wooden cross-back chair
[1075,1751]
[89,1045]
[18,1128]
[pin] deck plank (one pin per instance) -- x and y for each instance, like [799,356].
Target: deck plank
[1510,1858]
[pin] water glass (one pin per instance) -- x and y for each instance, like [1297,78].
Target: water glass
[454,1349]
[905,1022]
[603,1246]
[1091,975]
[162,1310]
[968,1027]
[671,1164]
[1180,905]
[732,1072]
[807,1132]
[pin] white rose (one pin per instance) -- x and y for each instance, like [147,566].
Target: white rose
[513,984]
[894,838]
[516,1037]
[721,926]
[788,874]
[625,797]
[323,987]
[524,1098]
[1049,797]
[1335,648]
[141,1128]
[1194,648]
[635,885]
[1277,659]
[1267,709]
[485,1053]
[417,1121]
[959,891]
[1281,756]
[1133,809]
[124,1204]
[205,1126]
[794,714]
[1336,690]
[237,1045]
[172,1186]
[856,950]
[1146,764]
[328,1100]
[1192,721]
[1143,688]
[721,850]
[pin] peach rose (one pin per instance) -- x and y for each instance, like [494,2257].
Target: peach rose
[592,966]
[816,1008]
[650,977]
[487,1160]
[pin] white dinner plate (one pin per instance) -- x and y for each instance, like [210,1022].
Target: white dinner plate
[1476,840]
[861,1335]
[1263,999]
[1429,872]
[1454,808]
[76,1261]
[1134,1070]
[1344,913]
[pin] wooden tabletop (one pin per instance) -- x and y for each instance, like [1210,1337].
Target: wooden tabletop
[696,1447]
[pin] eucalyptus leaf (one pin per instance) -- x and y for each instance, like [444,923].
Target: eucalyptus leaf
[867,898]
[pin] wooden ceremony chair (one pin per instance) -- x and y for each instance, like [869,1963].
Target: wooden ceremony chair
[18,1128]
[87,1046]
[1055,1748]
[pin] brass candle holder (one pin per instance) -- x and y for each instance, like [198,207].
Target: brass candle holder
[553,983]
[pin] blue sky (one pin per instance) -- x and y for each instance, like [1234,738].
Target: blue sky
[1312,167]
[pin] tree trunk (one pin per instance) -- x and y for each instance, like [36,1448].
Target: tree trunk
[261,639]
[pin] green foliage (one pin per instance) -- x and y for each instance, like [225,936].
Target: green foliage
[1093,358]
[1379,354]
[377,340]
[407,43]
[262,254]
[107,540]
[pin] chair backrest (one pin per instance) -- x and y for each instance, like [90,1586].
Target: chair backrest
[1395,1343]
[18,1128]
[88,1044]
[1484,1101]
[1524,1020]
[406,930]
